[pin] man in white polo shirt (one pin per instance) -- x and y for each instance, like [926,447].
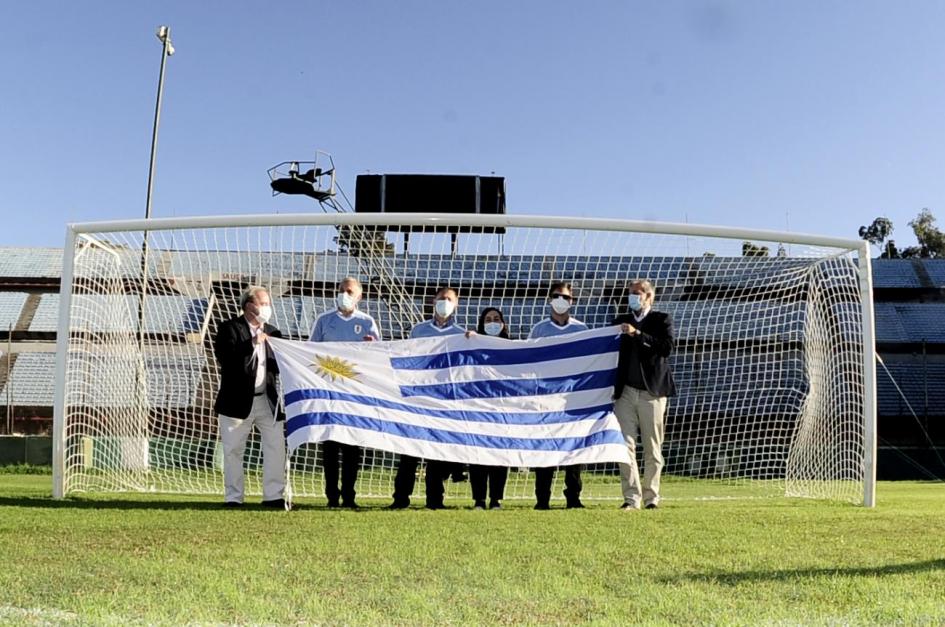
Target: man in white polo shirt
[561,322]
[344,324]
[442,323]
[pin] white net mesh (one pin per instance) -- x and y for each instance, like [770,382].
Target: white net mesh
[768,361]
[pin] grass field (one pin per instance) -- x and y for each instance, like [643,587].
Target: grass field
[158,559]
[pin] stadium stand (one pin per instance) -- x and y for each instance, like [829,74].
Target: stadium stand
[46,316]
[30,263]
[910,335]
[11,305]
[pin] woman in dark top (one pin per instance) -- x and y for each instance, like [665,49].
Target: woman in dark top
[492,323]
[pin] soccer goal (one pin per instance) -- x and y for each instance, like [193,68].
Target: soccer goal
[773,358]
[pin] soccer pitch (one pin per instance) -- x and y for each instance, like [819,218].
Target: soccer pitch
[170,560]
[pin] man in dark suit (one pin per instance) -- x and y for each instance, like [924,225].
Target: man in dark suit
[248,397]
[643,385]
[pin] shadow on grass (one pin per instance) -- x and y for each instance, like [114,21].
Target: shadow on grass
[761,576]
[156,504]
[45,502]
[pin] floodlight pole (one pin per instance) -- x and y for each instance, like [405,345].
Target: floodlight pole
[167,49]
[164,35]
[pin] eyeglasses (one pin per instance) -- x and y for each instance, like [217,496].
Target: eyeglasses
[564,296]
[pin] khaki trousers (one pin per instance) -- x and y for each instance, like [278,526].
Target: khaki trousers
[233,435]
[641,414]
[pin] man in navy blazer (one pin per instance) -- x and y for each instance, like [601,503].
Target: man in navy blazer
[248,396]
[644,383]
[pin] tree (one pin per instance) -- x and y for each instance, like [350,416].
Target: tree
[931,240]
[753,250]
[877,232]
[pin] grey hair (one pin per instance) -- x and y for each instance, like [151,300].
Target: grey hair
[350,279]
[647,286]
[250,293]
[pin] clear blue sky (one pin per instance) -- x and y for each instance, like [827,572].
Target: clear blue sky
[757,113]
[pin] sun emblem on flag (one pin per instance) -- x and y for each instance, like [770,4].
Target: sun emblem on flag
[334,368]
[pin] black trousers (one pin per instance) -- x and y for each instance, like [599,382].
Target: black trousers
[406,478]
[544,477]
[492,478]
[350,464]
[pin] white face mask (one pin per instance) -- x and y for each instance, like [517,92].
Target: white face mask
[264,313]
[493,328]
[444,308]
[636,302]
[560,305]
[345,301]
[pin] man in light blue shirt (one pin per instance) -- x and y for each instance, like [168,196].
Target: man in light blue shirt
[442,323]
[344,324]
[560,322]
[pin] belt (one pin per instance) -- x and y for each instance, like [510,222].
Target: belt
[260,393]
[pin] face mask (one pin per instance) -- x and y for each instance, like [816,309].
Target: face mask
[264,313]
[560,305]
[493,328]
[444,308]
[345,301]
[636,302]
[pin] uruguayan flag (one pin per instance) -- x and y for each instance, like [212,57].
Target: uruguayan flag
[477,400]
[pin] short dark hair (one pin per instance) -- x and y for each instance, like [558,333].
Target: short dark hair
[557,286]
[445,289]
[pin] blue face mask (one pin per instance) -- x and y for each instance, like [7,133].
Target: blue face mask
[636,302]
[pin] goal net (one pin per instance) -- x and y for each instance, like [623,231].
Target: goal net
[775,386]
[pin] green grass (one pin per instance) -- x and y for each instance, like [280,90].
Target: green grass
[158,559]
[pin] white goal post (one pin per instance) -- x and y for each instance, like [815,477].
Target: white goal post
[774,356]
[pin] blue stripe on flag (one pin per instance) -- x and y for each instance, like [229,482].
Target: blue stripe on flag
[511,418]
[594,380]
[507,356]
[441,436]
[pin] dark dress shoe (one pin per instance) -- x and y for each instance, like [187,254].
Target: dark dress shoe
[575,505]
[350,505]
[232,504]
[333,504]
[274,503]
[399,505]
[542,506]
